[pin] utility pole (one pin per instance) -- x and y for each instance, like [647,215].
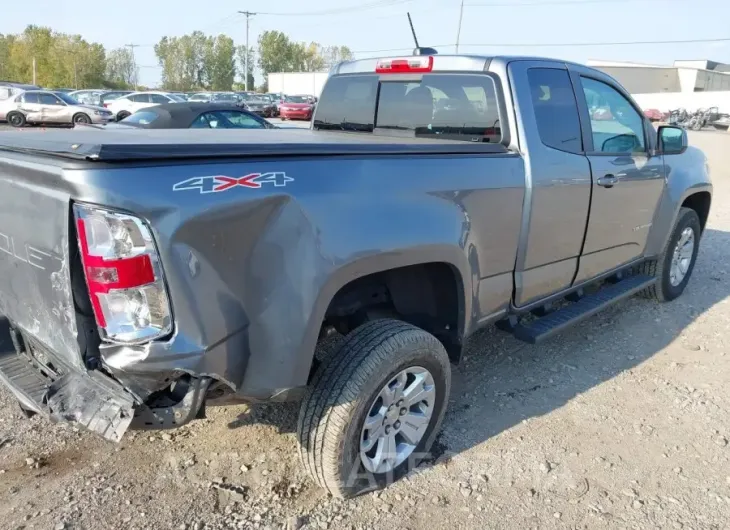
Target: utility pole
[134,62]
[248,14]
[458,31]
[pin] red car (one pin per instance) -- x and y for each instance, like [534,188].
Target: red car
[296,108]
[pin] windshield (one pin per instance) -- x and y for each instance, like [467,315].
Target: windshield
[66,98]
[176,98]
[257,100]
[446,106]
[226,97]
[297,99]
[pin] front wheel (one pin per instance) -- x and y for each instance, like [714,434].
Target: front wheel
[375,408]
[81,118]
[122,114]
[674,267]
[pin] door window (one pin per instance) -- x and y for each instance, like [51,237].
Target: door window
[140,98]
[241,120]
[49,99]
[556,111]
[30,97]
[616,126]
[158,98]
[200,123]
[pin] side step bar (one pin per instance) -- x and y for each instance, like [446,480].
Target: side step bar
[542,328]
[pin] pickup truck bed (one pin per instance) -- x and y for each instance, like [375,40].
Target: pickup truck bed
[116,145]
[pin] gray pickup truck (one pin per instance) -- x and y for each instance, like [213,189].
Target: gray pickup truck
[145,275]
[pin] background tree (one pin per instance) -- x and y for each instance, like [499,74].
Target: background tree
[221,63]
[241,56]
[120,68]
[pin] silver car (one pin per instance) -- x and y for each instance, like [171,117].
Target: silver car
[41,106]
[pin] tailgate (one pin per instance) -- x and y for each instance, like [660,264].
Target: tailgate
[35,285]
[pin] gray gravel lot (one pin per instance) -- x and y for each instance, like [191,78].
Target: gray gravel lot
[622,422]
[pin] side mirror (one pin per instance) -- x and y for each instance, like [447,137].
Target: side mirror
[672,140]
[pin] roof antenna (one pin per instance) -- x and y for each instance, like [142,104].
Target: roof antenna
[418,50]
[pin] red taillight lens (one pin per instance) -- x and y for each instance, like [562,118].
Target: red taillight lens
[405,65]
[123,275]
[106,105]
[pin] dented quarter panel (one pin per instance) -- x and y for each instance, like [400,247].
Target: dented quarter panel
[251,271]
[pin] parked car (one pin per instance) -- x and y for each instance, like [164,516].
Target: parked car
[191,115]
[131,103]
[41,107]
[655,115]
[9,89]
[174,270]
[88,97]
[201,97]
[260,105]
[107,97]
[296,108]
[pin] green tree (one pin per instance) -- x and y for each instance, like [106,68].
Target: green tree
[183,61]
[241,56]
[6,42]
[220,63]
[121,70]
[276,53]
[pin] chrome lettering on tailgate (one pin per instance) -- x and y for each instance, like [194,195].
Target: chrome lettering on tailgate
[27,253]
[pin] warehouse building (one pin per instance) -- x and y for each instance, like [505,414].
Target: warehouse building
[689,84]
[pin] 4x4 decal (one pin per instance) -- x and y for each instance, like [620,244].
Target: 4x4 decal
[218,183]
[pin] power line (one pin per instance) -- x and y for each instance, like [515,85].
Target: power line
[555,44]
[557,2]
[338,10]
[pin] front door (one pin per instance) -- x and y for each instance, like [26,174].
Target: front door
[627,179]
[53,109]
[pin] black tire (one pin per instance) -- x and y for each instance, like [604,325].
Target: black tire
[663,290]
[122,114]
[16,119]
[81,118]
[331,417]
[282,118]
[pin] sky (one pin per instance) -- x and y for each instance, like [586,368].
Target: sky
[553,28]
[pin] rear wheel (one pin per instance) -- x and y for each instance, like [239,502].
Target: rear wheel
[16,119]
[122,114]
[81,118]
[375,408]
[674,267]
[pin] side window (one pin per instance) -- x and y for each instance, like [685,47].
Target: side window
[140,98]
[616,126]
[214,121]
[556,110]
[49,99]
[159,98]
[200,123]
[30,97]
[241,120]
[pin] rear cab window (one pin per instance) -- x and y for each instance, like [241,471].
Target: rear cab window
[449,106]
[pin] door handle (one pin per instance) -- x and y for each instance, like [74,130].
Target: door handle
[607,181]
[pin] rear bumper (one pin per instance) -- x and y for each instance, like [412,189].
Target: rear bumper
[91,398]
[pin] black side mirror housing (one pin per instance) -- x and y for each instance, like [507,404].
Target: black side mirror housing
[672,140]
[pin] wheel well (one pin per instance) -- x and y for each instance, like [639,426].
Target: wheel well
[79,114]
[428,295]
[700,203]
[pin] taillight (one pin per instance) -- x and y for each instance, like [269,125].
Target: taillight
[123,275]
[405,65]
[106,105]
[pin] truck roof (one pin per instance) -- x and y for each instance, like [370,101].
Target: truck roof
[441,63]
[90,143]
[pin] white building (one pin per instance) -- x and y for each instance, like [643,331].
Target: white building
[298,83]
[686,84]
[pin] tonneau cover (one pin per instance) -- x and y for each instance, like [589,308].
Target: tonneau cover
[116,145]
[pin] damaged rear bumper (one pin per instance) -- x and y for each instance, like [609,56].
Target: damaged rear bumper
[90,398]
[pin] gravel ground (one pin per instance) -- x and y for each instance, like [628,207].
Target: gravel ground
[622,422]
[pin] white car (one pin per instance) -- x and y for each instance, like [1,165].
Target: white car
[131,103]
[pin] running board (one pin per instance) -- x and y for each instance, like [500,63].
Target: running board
[542,328]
